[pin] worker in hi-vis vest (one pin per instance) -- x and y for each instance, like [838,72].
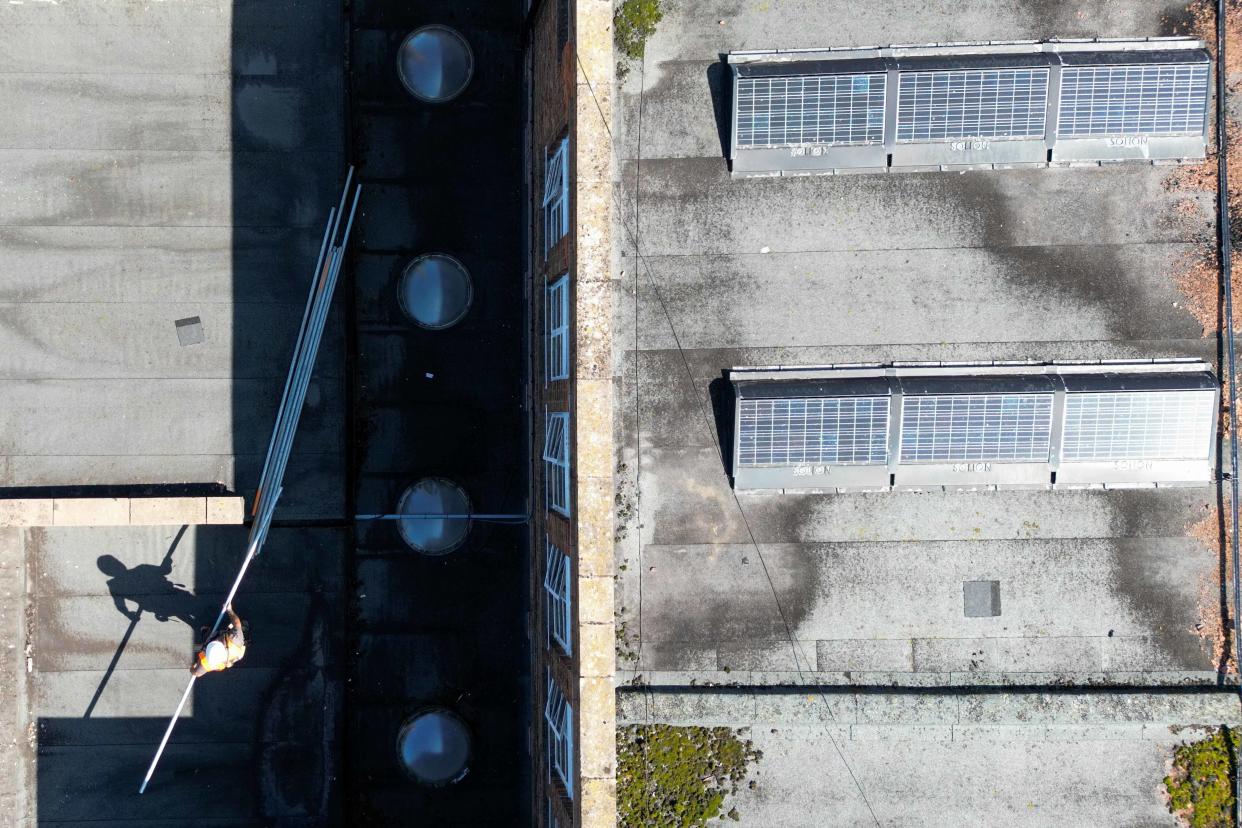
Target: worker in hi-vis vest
[222,651]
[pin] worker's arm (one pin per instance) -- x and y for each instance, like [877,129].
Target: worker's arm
[235,626]
[132,615]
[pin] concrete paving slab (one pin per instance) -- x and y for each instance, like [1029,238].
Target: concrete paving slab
[96,511]
[132,706]
[65,562]
[694,29]
[157,264]
[165,511]
[848,297]
[691,206]
[140,341]
[693,504]
[81,632]
[1062,601]
[26,512]
[192,189]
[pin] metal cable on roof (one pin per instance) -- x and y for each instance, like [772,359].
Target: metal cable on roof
[1226,273]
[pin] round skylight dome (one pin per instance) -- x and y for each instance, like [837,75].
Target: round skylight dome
[434,747]
[435,64]
[435,291]
[421,530]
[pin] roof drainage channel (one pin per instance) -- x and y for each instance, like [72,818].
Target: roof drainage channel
[1135,424]
[969,106]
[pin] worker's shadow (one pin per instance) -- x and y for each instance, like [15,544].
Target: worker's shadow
[147,589]
[144,590]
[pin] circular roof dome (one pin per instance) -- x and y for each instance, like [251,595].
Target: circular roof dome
[434,747]
[435,291]
[431,535]
[435,64]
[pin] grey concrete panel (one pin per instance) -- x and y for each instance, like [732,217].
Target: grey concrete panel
[133,706]
[688,500]
[944,655]
[244,39]
[688,100]
[112,470]
[16,781]
[705,28]
[869,655]
[1060,708]
[164,112]
[190,189]
[1061,597]
[766,655]
[214,265]
[63,560]
[1001,780]
[891,708]
[806,708]
[677,655]
[152,112]
[139,340]
[692,206]
[84,632]
[83,47]
[172,416]
[1061,654]
[850,298]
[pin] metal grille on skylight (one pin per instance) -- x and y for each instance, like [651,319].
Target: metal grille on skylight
[1138,425]
[972,103]
[1133,100]
[818,109]
[794,431]
[967,427]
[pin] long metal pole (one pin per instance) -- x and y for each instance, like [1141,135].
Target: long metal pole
[167,733]
[288,414]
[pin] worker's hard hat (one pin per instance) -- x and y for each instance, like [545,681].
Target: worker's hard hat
[215,654]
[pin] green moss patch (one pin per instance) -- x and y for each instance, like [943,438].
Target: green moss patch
[1200,785]
[633,22]
[678,777]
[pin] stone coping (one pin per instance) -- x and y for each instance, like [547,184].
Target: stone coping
[593,171]
[121,511]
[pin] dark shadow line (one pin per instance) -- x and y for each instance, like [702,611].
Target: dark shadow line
[1226,621]
[118,490]
[116,658]
[956,690]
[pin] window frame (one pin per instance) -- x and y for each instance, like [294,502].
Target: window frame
[558,597]
[556,329]
[556,197]
[558,717]
[556,462]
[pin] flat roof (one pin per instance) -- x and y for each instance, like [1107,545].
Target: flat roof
[800,590]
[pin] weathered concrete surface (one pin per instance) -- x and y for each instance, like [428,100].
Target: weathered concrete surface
[1050,264]
[161,162]
[1037,759]
[113,617]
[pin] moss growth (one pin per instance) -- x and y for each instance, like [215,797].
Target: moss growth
[1200,785]
[634,22]
[678,777]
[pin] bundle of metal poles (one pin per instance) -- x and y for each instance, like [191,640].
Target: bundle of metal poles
[314,319]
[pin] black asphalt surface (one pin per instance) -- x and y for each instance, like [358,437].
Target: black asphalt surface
[450,630]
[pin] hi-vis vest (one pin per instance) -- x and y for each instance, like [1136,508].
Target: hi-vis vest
[234,650]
